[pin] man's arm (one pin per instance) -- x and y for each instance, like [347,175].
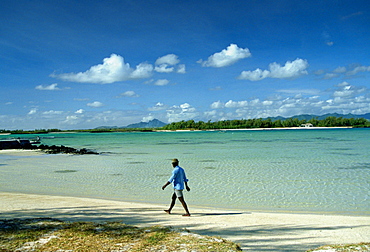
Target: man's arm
[187,187]
[163,187]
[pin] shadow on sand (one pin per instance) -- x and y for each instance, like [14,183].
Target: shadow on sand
[254,238]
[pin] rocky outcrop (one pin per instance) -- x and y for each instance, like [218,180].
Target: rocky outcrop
[53,149]
[64,149]
[15,144]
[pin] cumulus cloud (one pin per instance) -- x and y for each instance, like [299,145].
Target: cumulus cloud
[226,57]
[161,82]
[300,91]
[142,71]
[182,112]
[148,118]
[217,105]
[236,104]
[347,91]
[95,104]
[344,71]
[345,98]
[129,94]
[359,69]
[164,69]
[340,70]
[181,69]
[291,69]
[169,59]
[52,112]
[71,120]
[32,111]
[329,76]
[112,70]
[51,87]
[159,106]
[167,63]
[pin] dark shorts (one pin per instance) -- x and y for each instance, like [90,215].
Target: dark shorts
[179,193]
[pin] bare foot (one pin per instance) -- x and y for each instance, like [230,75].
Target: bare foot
[186,215]
[168,211]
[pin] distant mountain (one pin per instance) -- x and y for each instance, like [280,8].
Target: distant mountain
[322,117]
[107,127]
[151,124]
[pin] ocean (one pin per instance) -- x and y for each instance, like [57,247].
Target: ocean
[323,171]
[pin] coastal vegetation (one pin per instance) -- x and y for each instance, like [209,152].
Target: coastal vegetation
[330,121]
[268,123]
[48,234]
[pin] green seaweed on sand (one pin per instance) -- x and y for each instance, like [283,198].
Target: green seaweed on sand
[65,171]
[47,234]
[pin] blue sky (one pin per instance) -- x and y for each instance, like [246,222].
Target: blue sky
[83,64]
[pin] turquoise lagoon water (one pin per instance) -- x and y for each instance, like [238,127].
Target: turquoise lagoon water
[315,171]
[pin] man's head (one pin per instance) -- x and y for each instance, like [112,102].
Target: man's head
[175,162]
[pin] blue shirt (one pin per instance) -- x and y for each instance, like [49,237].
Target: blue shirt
[178,178]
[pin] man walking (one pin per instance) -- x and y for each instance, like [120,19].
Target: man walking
[179,179]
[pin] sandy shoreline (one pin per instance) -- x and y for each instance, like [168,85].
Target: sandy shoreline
[254,231]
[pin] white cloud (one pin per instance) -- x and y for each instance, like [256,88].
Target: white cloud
[226,57]
[51,87]
[159,106]
[340,70]
[148,118]
[71,120]
[181,69]
[164,69]
[344,99]
[347,90]
[217,105]
[52,112]
[167,63]
[142,71]
[236,104]
[129,94]
[182,112]
[161,82]
[359,69]
[299,91]
[169,59]
[112,70]
[267,103]
[32,111]
[255,75]
[291,69]
[343,84]
[329,76]
[95,104]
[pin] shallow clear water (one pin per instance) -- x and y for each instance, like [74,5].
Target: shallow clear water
[326,171]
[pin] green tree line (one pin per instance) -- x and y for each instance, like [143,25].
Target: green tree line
[268,123]
[36,131]
[330,121]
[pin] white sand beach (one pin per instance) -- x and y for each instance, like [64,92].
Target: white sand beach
[254,231]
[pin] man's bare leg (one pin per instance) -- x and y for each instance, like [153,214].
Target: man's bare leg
[185,206]
[174,197]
